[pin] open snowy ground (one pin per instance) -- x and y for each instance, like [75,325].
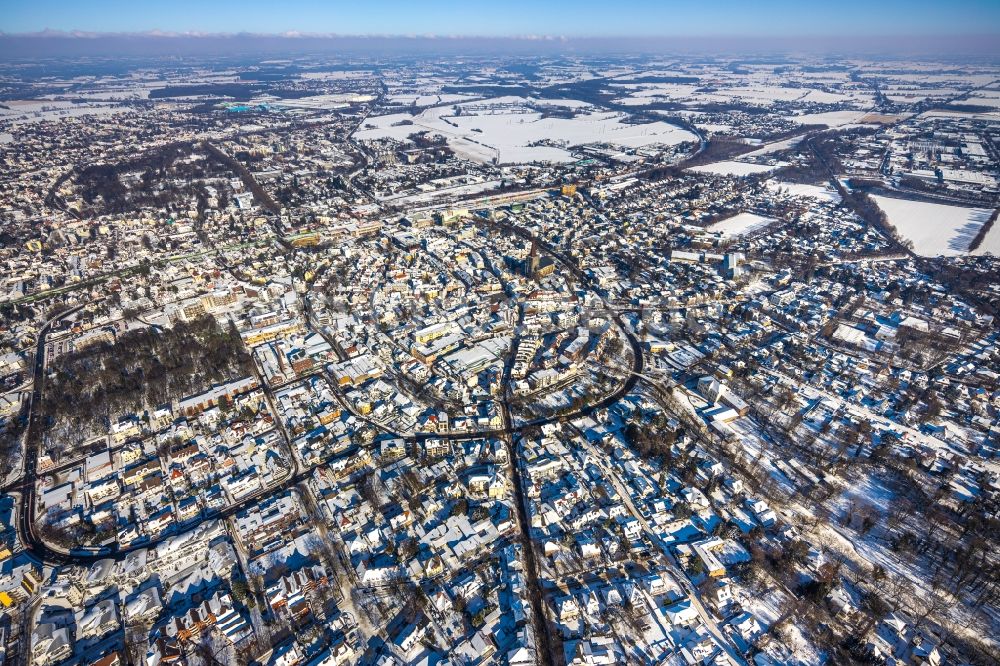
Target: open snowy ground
[831,118]
[427,99]
[823,193]
[332,101]
[741,224]
[649,94]
[767,94]
[775,146]
[988,98]
[990,244]
[935,229]
[734,168]
[18,112]
[509,129]
[986,115]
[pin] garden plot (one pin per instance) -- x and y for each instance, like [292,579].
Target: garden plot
[513,129]
[935,229]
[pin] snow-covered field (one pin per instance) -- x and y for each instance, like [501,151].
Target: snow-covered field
[823,193]
[137,92]
[990,244]
[775,146]
[990,116]
[718,128]
[648,94]
[734,168]
[904,95]
[321,102]
[26,111]
[428,99]
[741,224]
[765,95]
[454,191]
[506,128]
[987,98]
[339,75]
[935,229]
[831,118]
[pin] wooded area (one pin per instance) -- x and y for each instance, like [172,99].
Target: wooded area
[143,368]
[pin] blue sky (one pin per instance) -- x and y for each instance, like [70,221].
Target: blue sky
[509,17]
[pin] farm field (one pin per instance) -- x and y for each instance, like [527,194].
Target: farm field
[935,229]
[734,168]
[741,224]
[512,130]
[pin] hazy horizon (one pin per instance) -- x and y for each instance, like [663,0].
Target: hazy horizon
[189,27]
[155,43]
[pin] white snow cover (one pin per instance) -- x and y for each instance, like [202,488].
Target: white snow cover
[741,224]
[505,127]
[428,99]
[830,118]
[766,95]
[823,193]
[990,244]
[734,168]
[776,146]
[935,229]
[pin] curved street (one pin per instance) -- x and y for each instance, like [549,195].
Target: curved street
[26,486]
